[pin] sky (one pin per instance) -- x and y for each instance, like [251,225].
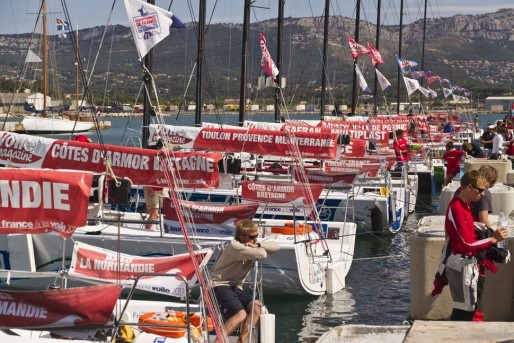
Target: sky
[18,16]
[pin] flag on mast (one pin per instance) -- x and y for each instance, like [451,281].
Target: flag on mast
[384,83]
[62,27]
[405,64]
[375,55]
[32,57]
[356,48]
[446,92]
[267,64]
[411,84]
[149,24]
[362,81]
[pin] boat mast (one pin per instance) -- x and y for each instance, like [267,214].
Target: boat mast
[45,48]
[242,90]
[278,95]
[325,45]
[199,63]
[147,79]
[399,55]
[424,36]
[377,45]
[354,83]
[77,72]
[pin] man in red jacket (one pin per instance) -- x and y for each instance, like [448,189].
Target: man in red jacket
[461,266]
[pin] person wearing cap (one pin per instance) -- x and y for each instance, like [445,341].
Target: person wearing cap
[487,138]
[82,139]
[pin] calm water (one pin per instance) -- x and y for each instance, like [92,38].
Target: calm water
[377,286]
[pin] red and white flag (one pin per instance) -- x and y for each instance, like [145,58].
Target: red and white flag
[375,55]
[267,64]
[356,48]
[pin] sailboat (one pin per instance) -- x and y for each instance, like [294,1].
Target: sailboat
[45,119]
[139,165]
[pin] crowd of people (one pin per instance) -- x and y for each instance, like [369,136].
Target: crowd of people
[497,141]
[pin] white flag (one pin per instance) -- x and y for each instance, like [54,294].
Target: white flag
[362,81]
[411,85]
[426,92]
[149,24]
[384,83]
[32,57]
[447,92]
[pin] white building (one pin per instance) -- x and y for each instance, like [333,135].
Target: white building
[499,103]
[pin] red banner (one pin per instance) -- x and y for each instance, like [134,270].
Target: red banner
[36,201]
[210,219]
[279,192]
[56,308]
[141,166]
[254,141]
[106,265]
[356,148]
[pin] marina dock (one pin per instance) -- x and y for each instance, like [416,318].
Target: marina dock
[422,332]
[429,313]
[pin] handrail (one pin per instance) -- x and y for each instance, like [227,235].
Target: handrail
[118,321]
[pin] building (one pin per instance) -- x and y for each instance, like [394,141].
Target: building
[499,103]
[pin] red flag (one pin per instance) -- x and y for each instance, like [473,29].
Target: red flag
[431,79]
[376,58]
[267,64]
[356,48]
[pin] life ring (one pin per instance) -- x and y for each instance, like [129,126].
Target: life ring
[289,229]
[172,324]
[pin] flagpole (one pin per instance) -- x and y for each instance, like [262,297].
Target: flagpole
[199,63]
[354,84]
[325,45]
[400,55]
[43,10]
[377,45]
[77,72]
[278,82]
[147,76]
[242,90]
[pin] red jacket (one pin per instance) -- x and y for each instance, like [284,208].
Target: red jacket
[460,229]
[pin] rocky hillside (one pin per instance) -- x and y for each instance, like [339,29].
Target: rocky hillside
[473,51]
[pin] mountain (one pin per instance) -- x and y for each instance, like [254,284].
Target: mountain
[473,51]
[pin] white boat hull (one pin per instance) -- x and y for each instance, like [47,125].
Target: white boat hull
[41,125]
[43,253]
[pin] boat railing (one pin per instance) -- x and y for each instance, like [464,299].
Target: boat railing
[119,318]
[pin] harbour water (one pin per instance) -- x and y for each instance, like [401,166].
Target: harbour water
[377,286]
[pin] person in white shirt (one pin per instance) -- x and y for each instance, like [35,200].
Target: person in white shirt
[498,142]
